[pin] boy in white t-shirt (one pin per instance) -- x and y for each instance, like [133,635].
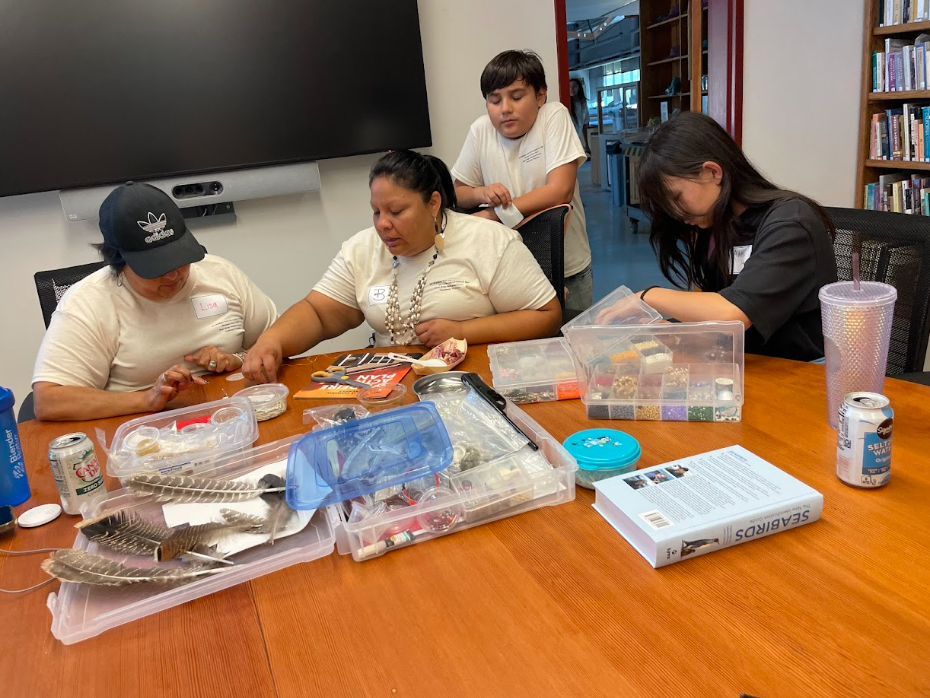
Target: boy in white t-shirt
[522,157]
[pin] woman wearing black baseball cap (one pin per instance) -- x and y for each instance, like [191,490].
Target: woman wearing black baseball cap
[131,336]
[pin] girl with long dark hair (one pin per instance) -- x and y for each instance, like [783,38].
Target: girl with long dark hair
[738,246]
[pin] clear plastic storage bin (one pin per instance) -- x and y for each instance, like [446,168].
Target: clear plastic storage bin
[535,371]
[182,441]
[471,492]
[678,372]
[81,611]
[627,309]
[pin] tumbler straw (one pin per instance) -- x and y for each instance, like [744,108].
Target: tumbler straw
[855,270]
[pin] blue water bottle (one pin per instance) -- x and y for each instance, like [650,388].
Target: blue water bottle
[14,487]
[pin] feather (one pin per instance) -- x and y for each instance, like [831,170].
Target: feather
[125,532]
[183,488]
[192,539]
[239,518]
[279,513]
[82,567]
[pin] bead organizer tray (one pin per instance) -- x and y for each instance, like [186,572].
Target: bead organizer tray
[183,440]
[682,372]
[81,611]
[535,371]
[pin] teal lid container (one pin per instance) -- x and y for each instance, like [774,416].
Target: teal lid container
[602,453]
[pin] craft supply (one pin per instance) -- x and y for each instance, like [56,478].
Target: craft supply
[496,400]
[864,436]
[602,453]
[81,567]
[396,325]
[8,519]
[268,401]
[724,388]
[398,539]
[424,363]
[444,518]
[125,532]
[374,398]
[14,485]
[39,516]
[450,352]
[184,488]
[76,471]
[331,415]
[336,376]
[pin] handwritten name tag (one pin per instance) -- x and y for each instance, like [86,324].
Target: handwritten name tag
[377,295]
[209,305]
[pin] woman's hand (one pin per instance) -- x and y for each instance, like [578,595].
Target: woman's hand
[623,309]
[213,359]
[263,360]
[495,195]
[172,382]
[433,332]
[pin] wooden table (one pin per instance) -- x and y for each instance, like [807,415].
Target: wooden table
[550,603]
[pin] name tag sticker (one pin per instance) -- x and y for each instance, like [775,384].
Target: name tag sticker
[210,305]
[740,255]
[377,295]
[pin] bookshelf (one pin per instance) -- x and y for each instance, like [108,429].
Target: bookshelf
[660,36]
[872,102]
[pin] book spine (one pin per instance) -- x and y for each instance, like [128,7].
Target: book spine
[925,117]
[896,153]
[907,61]
[920,59]
[741,529]
[906,133]
[886,147]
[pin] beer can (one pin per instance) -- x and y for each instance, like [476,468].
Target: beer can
[76,471]
[863,447]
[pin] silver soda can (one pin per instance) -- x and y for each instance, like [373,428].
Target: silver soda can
[76,471]
[863,447]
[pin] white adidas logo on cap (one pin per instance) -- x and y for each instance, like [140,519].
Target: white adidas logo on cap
[156,226]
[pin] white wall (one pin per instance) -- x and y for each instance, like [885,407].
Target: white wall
[802,63]
[283,243]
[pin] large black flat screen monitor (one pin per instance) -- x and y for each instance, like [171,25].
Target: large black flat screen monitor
[101,91]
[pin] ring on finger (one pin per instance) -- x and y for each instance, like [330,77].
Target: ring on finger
[212,364]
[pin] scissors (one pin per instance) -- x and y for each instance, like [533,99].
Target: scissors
[337,376]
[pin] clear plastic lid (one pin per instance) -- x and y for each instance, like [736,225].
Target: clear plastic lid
[869,293]
[362,456]
[625,309]
[183,440]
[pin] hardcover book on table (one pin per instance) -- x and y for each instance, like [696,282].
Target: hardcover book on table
[704,503]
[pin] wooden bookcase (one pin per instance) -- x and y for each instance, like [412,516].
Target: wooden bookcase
[659,34]
[868,171]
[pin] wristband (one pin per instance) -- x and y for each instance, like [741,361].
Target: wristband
[509,216]
[642,294]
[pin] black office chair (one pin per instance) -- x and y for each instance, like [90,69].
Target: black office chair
[544,234]
[51,286]
[895,249]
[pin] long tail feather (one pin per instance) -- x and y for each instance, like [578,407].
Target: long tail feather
[87,568]
[192,538]
[183,488]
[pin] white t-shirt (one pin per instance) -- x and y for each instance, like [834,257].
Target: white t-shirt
[105,335]
[483,269]
[522,164]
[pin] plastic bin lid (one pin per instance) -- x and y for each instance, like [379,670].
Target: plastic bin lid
[365,455]
[603,449]
[6,399]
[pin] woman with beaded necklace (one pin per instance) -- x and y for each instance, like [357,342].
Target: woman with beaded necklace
[420,275]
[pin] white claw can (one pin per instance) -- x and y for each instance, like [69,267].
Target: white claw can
[863,448]
[76,471]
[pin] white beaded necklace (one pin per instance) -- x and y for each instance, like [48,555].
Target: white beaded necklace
[395,324]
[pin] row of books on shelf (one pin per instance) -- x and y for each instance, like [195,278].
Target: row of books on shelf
[902,133]
[899,193]
[892,12]
[902,66]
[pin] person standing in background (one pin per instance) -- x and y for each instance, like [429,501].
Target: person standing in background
[579,111]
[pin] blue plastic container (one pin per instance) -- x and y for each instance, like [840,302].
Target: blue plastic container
[14,486]
[602,453]
[363,456]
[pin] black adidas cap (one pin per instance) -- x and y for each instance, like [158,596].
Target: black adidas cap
[147,228]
